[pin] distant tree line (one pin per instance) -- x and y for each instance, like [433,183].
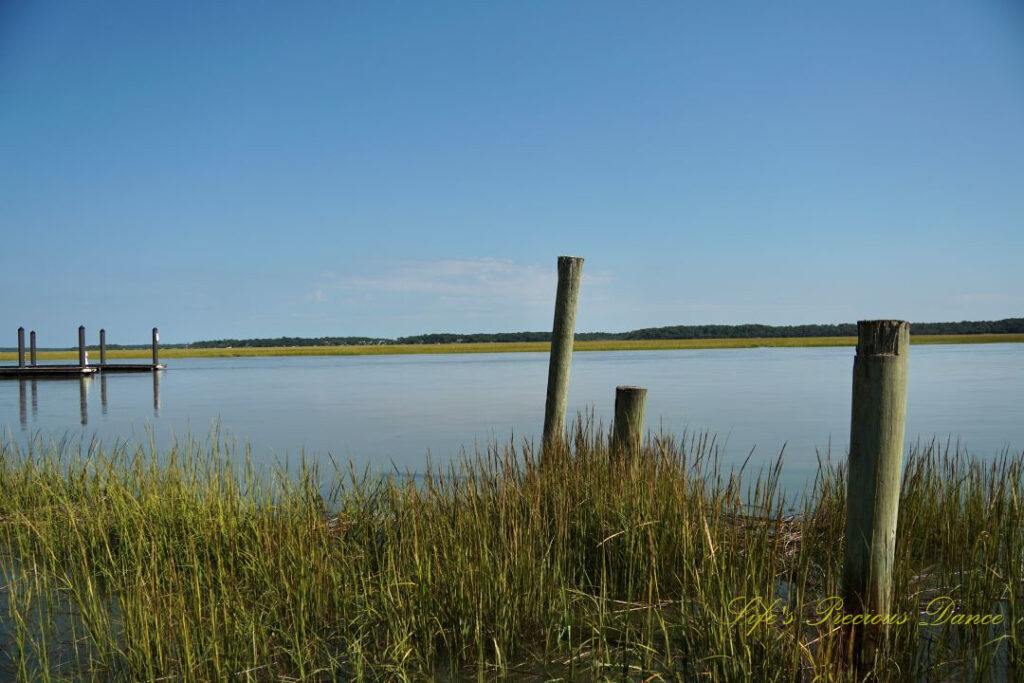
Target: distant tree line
[287,341]
[1007,326]
[451,338]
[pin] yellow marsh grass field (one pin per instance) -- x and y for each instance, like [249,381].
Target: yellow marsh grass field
[513,347]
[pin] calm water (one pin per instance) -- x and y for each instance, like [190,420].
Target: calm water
[396,409]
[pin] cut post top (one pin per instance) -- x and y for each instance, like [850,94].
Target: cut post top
[882,337]
[570,269]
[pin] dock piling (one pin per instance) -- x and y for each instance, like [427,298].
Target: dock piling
[81,346]
[21,347]
[875,461]
[570,270]
[628,429]
[103,347]
[156,347]
[32,347]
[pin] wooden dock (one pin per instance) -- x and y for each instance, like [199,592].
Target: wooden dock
[130,367]
[81,369]
[14,371]
[39,371]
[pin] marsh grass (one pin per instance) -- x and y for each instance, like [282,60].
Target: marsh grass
[516,347]
[124,563]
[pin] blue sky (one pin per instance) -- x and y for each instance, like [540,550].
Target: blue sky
[257,169]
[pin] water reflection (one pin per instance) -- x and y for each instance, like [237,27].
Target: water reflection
[83,398]
[156,392]
[22,410]
[28,394]
[379,411]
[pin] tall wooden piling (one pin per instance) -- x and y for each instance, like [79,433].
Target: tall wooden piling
[570,270]
[103,347]
[81,346]
[873,478]
[21,347]
[628,429]
[32,347]
[156,347]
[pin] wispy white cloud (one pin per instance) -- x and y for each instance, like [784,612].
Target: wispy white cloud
[463,277]
[483,279]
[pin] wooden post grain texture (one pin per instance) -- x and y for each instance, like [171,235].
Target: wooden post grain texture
[32,348]
[874,468]
[628,429]
[21,347]
[570,271]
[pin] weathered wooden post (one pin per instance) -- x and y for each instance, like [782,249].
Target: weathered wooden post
[156,347]
[21,347]
[32,347]
[81,347]
[570,270]
[873,477]
[628,430]
[103,347]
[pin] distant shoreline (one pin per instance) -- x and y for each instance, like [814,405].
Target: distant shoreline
[511,347]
